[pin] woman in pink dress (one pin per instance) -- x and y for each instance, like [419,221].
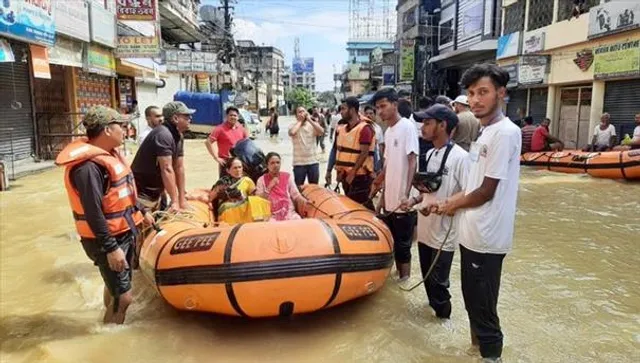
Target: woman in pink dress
[280,189]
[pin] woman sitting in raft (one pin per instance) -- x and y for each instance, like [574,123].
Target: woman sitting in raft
[232,197]
[280,189]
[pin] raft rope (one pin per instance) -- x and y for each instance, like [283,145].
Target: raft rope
[433,263]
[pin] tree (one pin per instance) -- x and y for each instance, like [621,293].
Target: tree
[299,97]
[327,99]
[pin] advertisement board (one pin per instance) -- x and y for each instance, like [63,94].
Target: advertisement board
[31,21]
[407,59]
[100,61]
[144,10]
[139,46]
[388,75]
[103,26]
[533,69]
[614,17]
[508,45]
[617,60]
[72,19]
[302,65]
[185,61]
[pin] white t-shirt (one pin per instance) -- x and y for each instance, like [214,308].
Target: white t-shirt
[379,134]
[400,140]
[433,228]
[145,132]
[636,133]
[334,121]
[496,154]
[604,136]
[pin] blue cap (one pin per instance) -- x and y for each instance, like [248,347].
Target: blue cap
[438,112]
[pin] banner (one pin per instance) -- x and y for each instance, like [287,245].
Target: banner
[185,61]
[31,21]
[66,52]
[103,26]
[617,60]
[508,45]
[407,60]
[388,75]
[302,65]
[614,17]
[532,69]
[101,61]
[40,62]
[136,10]
[139,46]
[72,19]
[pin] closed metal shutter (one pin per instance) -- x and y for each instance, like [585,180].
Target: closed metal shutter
[622,102]
[538,104]
[20,120]
[517,100]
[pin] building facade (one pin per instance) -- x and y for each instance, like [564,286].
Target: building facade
[265,65]
[572,66]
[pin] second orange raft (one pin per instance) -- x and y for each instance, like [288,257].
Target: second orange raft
[340,252]
[609,164]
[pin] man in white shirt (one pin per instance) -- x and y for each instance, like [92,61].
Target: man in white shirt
[154,117]
[631,143]
[487,206]
[303,135]
[400,154]
[604,135]
[445,172]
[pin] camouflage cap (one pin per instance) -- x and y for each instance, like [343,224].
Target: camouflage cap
[176,107]
[101,116]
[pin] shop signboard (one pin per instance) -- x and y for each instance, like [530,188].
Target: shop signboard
[30,21]
[532,69]
[40,62]
[407,60]
[66,52]
[617,60]
[185,61]
[103,26]
[508,45]
[388,75]
[533,42]
[100,61]
[614,17]
[72,19]
[139,46]
[512,69]
[143,10]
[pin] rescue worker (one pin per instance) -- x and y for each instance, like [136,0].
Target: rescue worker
[103,199]
[356,146]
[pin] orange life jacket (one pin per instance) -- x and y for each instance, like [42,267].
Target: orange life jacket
[119,202]
[348,149]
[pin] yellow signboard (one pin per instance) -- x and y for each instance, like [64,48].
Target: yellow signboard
[617,60]
[407,60]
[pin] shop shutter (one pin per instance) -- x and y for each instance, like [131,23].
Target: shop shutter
[622,102]
[538,104]
[18,119]
[517,99]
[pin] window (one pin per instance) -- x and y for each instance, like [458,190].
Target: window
[566,7]
[540,14]
[445,36]
[363,52]
[514,17]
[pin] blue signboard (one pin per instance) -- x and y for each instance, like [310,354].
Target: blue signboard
[302,65]
[31,21]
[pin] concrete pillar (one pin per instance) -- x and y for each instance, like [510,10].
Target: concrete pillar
[597,104]
[551,103]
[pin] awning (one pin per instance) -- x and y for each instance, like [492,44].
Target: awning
[464,54]
[179,25]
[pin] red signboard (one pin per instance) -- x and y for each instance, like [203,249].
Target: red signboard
[136,9]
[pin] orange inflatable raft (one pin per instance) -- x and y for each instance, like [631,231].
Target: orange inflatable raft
[609,164]
[339,252]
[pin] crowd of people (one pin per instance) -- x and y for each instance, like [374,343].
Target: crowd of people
[450,169]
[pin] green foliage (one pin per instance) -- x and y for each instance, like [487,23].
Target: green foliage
[327,99]
[300,97]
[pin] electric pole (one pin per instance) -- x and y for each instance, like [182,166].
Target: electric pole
[228,43]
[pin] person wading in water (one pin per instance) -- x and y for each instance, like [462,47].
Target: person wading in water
[103,198]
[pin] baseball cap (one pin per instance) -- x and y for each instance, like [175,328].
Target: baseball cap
[462,99]
[438,112]
[176,107]
[102,116]
[443,100]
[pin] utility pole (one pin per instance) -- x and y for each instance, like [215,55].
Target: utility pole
[228,43]
[257,76]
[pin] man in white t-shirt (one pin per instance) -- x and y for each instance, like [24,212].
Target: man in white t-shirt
[303,135]
[604,135]
[444,176]
[400,154]
[487,206]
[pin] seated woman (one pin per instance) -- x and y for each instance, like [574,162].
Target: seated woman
[280,189]
[232,197]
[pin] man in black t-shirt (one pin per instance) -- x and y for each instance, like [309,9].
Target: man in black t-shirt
[159,162]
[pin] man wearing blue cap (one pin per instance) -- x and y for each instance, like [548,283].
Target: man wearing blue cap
[446,165]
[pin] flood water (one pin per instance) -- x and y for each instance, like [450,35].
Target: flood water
[570,290]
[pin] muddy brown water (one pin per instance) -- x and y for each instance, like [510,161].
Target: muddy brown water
[570,290]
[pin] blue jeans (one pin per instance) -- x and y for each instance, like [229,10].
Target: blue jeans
[310,172]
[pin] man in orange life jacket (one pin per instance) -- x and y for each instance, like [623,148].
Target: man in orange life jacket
[355,150]
[103,199]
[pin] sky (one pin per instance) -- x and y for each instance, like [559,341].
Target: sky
[321,25]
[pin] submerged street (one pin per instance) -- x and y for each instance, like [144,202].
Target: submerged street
[570,289]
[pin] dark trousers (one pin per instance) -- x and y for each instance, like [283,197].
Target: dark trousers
[437,285]
[401,226]
[358,190]
[480,274]
[309,172]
